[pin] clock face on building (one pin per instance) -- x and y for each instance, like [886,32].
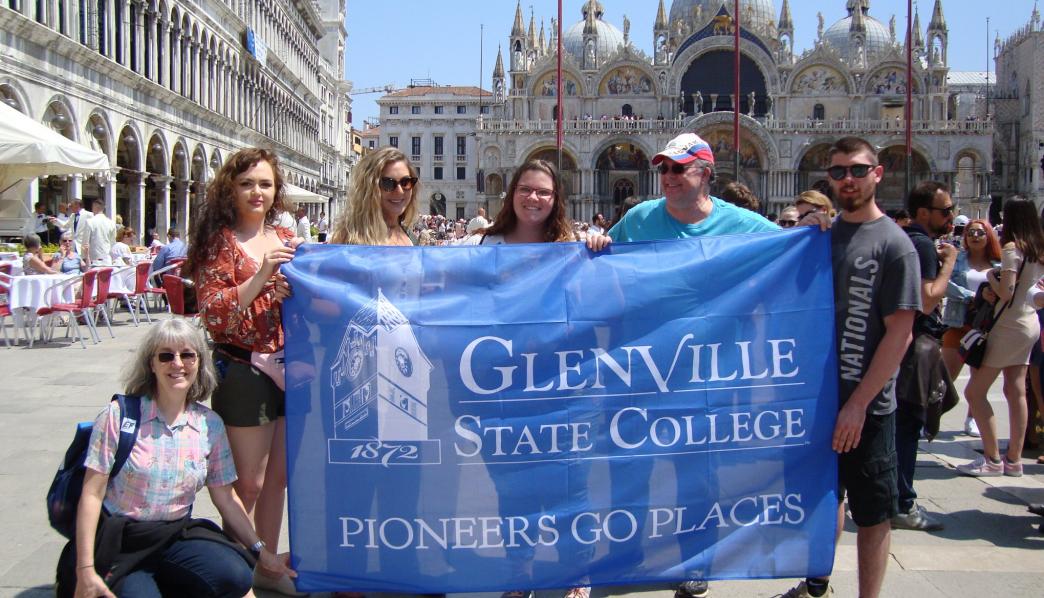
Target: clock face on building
[355,357]
[403,362]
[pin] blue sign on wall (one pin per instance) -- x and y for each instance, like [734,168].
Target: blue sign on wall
[537,416]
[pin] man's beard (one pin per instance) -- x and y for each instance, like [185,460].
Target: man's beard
[852,203]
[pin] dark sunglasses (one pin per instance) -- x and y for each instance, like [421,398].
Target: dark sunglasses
[946,210]
[388,184]
[167,357]
[788,223]
[976,232]
[858,171]
[675,168]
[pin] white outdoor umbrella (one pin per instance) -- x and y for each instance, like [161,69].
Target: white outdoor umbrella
[29,149]
[298,195]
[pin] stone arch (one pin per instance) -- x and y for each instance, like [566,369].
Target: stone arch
[819,78]
[179,160]
[627,78]
[99,131]
[215,160]
[494,184]
[543,85]
[966,166]
[811,164]
[156,157]
[889,79]
[59,115]
[751,50]
[12,94]
[758,76]
[570,174]
[891,189]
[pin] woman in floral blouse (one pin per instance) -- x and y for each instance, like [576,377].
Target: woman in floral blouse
[234,260]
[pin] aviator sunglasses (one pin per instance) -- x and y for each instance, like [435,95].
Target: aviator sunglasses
[167,356]
[388,184]
[858,171]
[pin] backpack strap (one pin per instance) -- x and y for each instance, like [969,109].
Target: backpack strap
[130,414]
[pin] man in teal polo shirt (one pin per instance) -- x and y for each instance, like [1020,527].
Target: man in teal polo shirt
[687,209]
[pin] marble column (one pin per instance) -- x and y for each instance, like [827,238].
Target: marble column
[162,186]
[74,187]
[181,200]
[108,189]
[136,204]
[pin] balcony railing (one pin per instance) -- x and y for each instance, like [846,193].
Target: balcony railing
[847,126]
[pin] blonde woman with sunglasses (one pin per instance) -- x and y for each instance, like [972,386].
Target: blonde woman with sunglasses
[382,201]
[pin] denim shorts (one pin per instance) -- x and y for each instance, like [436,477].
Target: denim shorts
[868,473]
[245,396]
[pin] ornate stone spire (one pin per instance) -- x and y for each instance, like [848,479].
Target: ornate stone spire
[532,35]
[938,20]
[661,17]
[918,39]
[858,24]
[786,23]
[498,70]
[518,28]
[589,18]
[542,41]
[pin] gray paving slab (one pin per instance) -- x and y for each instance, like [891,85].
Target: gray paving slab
[990,545]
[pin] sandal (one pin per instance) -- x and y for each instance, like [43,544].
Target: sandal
[579,592]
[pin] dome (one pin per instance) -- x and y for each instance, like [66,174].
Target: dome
[754,14]
[877,37]
[609,39]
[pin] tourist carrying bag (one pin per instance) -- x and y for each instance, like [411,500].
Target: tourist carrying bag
[973,343]
[63,498]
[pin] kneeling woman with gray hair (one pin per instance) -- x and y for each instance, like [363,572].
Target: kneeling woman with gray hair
[134,532]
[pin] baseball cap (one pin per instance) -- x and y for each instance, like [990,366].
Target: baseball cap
[961,220]
[684,149]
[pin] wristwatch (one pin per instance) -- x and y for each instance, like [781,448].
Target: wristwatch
[256,548]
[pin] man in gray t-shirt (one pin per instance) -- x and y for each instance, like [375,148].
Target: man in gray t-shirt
[876,294]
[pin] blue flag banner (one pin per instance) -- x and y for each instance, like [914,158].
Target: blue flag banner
[490,418]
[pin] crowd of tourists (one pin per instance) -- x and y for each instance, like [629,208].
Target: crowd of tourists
[931,286]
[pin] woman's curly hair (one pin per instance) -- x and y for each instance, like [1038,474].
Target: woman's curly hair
[218,210]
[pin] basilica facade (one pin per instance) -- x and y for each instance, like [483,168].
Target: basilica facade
[621,105]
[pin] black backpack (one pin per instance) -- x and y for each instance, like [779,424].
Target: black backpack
[63,498]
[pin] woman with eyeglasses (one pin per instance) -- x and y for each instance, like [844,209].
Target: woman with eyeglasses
[980,252]
[535,212]
[234,260]
[66,259]
[135,535]
[1014,332]
[382,201]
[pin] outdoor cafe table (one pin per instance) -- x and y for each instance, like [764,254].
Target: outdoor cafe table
[29,293]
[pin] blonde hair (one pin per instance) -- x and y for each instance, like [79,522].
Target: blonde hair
[817,199]
[363,222]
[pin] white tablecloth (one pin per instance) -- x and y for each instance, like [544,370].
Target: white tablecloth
[36,291]
[16,266]
[122,281]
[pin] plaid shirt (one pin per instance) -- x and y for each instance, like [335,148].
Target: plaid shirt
[168,464]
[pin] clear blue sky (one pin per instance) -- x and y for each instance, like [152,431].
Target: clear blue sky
[393,42]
